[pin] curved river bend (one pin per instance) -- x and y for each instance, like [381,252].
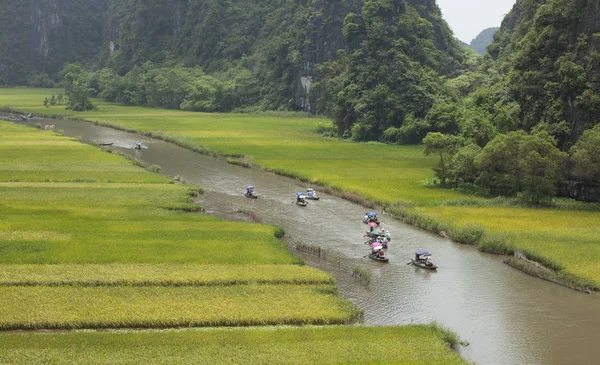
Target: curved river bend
[506,316]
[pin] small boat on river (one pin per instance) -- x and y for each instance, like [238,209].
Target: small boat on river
[378,258]
[311,194]
[422,260]
[377,253]
[375,234]
[300,200]
[370,217]
[250,192]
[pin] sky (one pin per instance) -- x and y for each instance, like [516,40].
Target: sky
[468,18]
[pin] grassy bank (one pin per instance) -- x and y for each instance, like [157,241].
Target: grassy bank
[383,173]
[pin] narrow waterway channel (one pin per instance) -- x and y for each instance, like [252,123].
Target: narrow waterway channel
[506,316]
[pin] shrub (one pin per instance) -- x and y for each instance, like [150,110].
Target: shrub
[279,232]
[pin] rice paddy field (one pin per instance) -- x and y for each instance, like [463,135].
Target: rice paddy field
[90,241]
[384,173]
[305,345]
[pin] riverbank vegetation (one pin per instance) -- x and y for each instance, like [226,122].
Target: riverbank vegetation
[388,174]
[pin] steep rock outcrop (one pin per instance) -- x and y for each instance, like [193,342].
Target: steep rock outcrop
[39,36]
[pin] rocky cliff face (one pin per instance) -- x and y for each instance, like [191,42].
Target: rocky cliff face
[41,35]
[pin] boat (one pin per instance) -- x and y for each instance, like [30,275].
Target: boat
[301,200]
[250,192]
[376,233]
[422,260]
[377,240]
[378,258]
[311,194]
[377,252]
[106,144]
[370,217]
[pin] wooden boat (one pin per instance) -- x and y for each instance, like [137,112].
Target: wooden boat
[300,200]
[106,144]
[375,234]
[311,194]
[423,265]
[250,192]
[378,258]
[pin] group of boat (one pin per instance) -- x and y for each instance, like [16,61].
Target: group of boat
[19,117]
[378,241]
[300,200]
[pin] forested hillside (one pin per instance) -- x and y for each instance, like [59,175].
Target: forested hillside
[239,54]
[483,39]
[523,109]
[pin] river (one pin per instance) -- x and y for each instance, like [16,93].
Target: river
[505,316]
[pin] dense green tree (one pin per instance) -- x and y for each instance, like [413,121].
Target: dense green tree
[445,146]
[392,71]
[518,162]
[585,155]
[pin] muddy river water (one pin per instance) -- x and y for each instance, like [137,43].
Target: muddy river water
[505,316]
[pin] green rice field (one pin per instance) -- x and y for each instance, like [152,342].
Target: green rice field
[90,241]
[303,345]
[92,254]
[570,239]
[384,173]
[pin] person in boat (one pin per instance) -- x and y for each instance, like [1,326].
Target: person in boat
[249,190]
[384,241]
[30,115]
[423,258]
[138,145]
[381,254]
[300,199]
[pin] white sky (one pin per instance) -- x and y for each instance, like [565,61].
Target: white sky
[468,18]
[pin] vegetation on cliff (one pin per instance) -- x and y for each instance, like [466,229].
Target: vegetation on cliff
[483,39]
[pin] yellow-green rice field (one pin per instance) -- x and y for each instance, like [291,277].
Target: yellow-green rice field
[90,241]
[65,242]
[409,345]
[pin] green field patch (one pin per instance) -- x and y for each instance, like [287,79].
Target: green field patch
[159,275]
[27,154]
[124,223]
[281,345]
[569,238]
[32,236]
[68,307]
